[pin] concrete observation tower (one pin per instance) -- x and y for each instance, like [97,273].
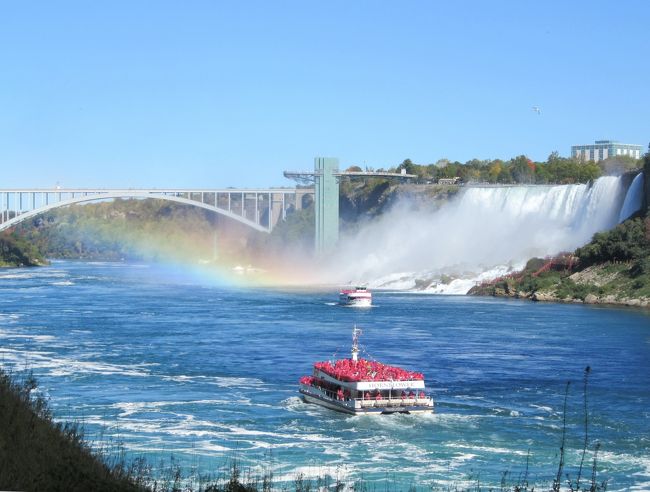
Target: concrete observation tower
[325,177]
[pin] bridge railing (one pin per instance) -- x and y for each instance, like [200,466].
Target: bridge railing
[260,209]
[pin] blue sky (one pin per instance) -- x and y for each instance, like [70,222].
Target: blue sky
[215,94]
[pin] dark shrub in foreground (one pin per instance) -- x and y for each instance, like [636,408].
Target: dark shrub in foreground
[38,454]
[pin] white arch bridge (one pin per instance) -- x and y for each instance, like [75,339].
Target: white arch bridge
[260,209]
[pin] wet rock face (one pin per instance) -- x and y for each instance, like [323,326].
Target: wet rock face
[633,302]
[543,296]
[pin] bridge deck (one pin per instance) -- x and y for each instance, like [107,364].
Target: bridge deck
[260,209]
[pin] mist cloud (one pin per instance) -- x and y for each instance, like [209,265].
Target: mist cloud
[479,230]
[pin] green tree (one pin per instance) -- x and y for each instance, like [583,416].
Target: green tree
[16,251]
[494,171]
[627,241]
[522,169]
[619,164]
[408,166]
[505,176]
[542,174]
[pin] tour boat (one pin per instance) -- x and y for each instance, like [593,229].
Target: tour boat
[358,386]
[356,296]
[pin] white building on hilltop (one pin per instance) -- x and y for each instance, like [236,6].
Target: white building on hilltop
[604,149]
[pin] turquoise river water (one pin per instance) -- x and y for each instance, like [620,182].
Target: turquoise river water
[168,364]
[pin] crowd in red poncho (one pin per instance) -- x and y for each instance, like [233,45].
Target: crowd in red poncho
[308,380]
[366,370]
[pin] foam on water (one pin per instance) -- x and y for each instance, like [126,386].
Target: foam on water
[129,408]
[548,410]
[57,366]
[611,459]
[296,404]
[487,449]
[210,448]
[315,472]
[221,381]
[36,338]
[33,274]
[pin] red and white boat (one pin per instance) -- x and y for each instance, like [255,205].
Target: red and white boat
[355,296]
[359,386]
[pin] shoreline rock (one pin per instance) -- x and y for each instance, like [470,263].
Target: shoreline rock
[590,299]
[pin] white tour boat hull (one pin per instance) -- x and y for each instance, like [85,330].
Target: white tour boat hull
[360,407]
[356,300]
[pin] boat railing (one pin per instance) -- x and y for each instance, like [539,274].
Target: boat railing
[391,402]
[374,402]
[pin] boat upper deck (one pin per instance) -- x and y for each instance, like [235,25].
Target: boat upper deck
[355,290]
[364,374]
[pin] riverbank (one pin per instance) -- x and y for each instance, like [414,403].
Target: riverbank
[595,285]
[38,454]
[15,251]
[613,269]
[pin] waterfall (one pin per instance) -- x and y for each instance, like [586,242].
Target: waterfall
[482,232]
[633,199]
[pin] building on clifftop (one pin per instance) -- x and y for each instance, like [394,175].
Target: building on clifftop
[604,149]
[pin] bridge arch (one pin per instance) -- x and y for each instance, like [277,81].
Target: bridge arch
[21,217]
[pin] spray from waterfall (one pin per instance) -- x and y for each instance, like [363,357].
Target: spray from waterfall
[482,233]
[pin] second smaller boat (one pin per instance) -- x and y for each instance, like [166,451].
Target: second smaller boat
[355,296]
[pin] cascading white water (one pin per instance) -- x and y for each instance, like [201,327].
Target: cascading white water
[633,199]
[480,234]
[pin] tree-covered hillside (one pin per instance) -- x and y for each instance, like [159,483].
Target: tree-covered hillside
[17,251]
[614,268]
[135,229]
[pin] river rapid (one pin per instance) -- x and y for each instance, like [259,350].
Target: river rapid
[168,363]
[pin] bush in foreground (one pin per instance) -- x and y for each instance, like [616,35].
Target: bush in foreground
[38,454]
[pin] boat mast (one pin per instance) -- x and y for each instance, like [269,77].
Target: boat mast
[355,342]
